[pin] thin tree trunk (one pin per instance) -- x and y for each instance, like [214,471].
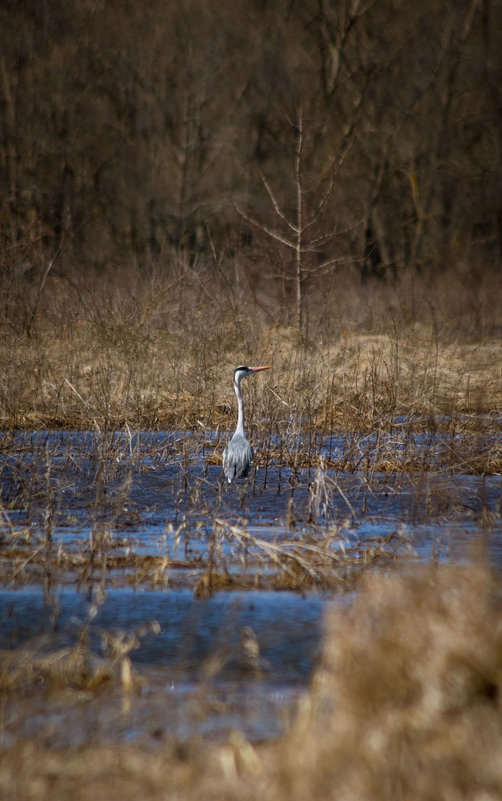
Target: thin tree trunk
[299,225]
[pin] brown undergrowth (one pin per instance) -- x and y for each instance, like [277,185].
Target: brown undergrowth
[406,704]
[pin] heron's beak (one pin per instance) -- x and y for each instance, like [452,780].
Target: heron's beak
[257,369]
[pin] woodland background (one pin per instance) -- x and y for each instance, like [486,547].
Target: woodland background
[267,146]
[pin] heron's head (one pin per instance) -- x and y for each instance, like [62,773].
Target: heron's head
[243,372]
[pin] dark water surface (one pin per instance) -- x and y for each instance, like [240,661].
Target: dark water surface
[191,631]
[115,505]
[198,676]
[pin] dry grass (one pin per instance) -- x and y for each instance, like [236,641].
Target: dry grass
[406,705]
[41,667]
[153,349]
[348,383]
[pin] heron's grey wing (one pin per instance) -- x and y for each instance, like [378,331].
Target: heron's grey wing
[237,458]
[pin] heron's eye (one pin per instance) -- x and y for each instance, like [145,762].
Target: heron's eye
[242,367]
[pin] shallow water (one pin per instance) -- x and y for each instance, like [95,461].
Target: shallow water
[122,529]
[286,625]
[198,676]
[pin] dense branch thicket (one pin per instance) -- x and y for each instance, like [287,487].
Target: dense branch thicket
[130,132]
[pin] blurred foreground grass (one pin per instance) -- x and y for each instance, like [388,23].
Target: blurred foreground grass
[406,704]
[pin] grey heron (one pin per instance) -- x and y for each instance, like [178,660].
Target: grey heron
[237,456]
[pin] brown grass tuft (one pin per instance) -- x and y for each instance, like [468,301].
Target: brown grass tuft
[408,702]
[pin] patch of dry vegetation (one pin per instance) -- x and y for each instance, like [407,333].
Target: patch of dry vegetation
[406,704]
[156,350]
[39,665]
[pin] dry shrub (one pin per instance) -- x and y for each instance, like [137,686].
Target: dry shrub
[408,702]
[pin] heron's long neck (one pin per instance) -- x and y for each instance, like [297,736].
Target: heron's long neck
[240,405]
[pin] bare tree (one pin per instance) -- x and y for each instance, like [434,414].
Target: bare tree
[300,222]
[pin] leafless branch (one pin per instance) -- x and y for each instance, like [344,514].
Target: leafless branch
[275,204]
[265,228]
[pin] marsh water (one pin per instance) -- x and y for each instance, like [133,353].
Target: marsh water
[216,593]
